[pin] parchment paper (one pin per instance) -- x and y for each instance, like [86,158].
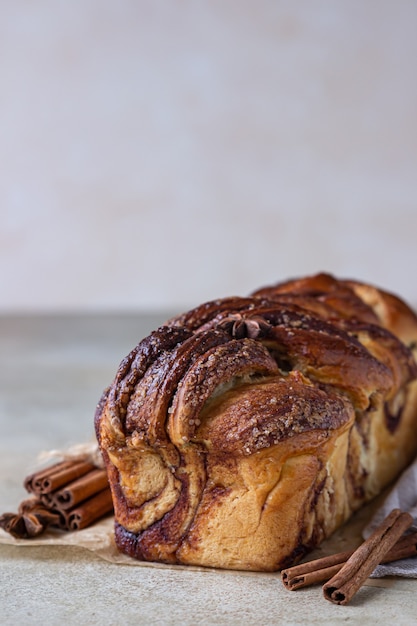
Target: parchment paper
[98,539]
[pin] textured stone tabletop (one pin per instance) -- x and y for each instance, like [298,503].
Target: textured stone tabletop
[52,372]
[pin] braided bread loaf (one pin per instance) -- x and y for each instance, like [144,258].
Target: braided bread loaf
[242,433]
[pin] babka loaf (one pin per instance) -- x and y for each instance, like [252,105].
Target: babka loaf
[242,433]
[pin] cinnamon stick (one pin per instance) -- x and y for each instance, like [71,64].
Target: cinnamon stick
[313,572]
[91,510]
[51,478]
[405,548]
[32,483]
[341,588]
[321,570]
[65,475]
[47,499]
[80,489]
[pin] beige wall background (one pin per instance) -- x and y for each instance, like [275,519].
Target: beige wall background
[156,154]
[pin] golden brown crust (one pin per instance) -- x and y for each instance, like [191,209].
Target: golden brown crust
[244,431]
[254,416]
[392,312]
[336,295]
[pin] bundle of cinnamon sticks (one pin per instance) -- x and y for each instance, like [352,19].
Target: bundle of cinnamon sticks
[344,573]
[69,495]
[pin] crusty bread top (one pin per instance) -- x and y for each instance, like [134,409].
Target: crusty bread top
[341,336]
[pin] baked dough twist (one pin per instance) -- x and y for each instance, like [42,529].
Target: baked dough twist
[245,431]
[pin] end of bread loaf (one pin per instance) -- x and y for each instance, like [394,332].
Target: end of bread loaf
[243,432]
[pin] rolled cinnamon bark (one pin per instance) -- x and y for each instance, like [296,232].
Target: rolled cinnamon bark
[47,499]
[52,478]
[343,586]
[90,510]
[64,476]
[321,570]
[313,572]
[75,492]
[33,482]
